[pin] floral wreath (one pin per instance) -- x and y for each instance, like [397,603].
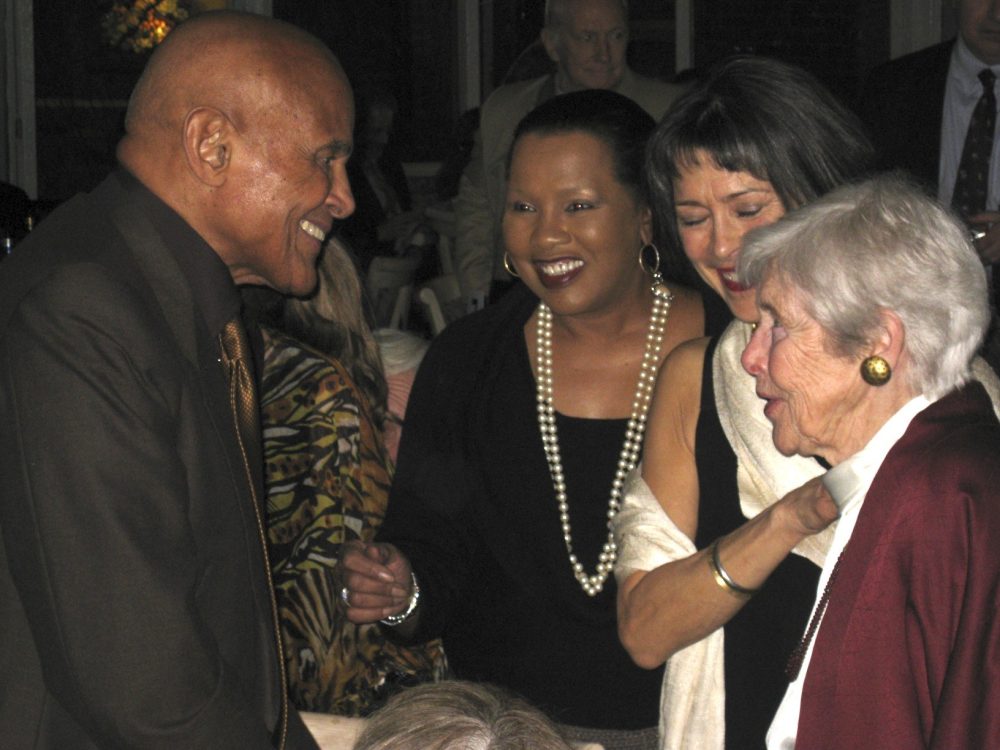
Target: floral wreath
[139,25]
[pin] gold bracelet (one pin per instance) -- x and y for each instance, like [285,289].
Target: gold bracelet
[723,578]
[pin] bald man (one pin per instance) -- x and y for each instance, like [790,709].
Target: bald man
[135,603]
[587,41]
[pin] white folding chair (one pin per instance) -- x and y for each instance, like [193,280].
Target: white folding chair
[389,283]
[441,217]
[434,295]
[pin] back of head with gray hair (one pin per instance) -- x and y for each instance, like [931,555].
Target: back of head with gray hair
[881,245]
[458,715]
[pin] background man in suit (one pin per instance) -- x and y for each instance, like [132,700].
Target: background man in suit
[134,592]
[919,107]
[587,40]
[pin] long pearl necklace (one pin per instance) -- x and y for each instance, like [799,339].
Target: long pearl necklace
[629,456]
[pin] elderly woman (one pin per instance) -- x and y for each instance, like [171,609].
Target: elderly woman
[523,422]
[752,139]
[873,304]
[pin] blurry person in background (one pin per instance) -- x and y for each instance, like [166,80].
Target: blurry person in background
[383,222]
[933,113]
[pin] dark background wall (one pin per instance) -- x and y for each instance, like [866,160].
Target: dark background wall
[837,40]
[403,46]
[81,87]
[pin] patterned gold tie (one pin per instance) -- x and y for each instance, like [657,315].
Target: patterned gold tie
[243,403]
[242,396]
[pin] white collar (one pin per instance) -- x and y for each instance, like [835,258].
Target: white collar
[848,481]
[965,68]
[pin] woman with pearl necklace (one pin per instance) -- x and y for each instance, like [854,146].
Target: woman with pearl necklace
[521,427]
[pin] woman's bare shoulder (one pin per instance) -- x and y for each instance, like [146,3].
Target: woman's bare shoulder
[677,394]
[686,360]
[687,313]
[668,455]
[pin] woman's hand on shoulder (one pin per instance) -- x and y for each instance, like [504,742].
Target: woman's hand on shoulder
[805,511]
[376,581]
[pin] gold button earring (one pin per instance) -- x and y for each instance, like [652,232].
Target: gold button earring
[875,370]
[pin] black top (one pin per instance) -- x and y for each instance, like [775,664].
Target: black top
[473,508]
[760,637]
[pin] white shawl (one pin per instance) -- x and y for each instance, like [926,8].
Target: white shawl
[692,701]
[692,705]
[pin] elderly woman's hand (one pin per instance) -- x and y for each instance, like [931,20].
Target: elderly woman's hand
[376,581]
[807,510]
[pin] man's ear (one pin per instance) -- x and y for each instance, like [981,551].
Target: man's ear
[208,144]
[550,38]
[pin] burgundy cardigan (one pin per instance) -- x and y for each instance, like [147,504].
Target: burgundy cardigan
[908,655]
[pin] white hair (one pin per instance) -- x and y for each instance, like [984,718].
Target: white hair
[881,245]
[459,715]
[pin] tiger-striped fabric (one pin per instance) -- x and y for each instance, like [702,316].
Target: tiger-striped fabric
[327,476]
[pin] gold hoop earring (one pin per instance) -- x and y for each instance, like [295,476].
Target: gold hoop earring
[509,265]
[653,270]
[657,287]
[875,370]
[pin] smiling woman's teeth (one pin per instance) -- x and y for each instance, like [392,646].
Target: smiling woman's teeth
[312,230]
[559,268]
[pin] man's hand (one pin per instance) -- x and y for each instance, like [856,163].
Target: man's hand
[988,245]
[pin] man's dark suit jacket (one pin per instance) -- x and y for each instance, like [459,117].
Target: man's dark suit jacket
[902,107]
[134,607]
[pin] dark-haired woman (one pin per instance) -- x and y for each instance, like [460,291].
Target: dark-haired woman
[521,427]
[749,141]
